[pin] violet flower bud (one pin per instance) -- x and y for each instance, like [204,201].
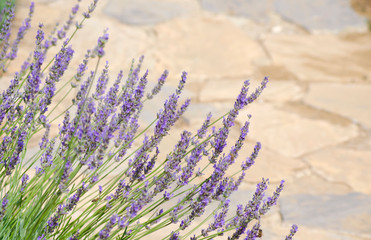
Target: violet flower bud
[293,230]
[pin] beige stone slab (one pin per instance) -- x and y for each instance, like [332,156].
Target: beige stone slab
[344,165]
[205,47]
[323,57]
[292,135]
[350,101]
[310,183]
[277,231]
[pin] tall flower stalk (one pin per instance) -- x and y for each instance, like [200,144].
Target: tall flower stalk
[67,189]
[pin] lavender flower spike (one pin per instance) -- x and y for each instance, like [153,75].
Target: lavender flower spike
[293,230]
[25,178]
[251,160]
[21,32]
[219,220]
[159,85]
[254,232]
[271,200]
[104,234]
[101,43]
[91,8]
[4,203]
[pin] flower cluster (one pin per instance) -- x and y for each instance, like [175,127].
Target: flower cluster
[103,176]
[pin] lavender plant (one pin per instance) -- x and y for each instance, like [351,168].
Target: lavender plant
[66,190]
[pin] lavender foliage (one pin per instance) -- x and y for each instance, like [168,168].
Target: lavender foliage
[100,174]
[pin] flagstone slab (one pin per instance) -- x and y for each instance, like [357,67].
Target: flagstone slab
[273,230]
[256,10]
[147,12]
[344,213]
[307,182]
[321,14]
[323,57]
[350,101]
[206,48]
[344,165]
[292,135]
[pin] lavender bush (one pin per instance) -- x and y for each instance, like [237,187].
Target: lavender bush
[67,191]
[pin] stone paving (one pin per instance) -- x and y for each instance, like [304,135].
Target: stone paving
[313,120]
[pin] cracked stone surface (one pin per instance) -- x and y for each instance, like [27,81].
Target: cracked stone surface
[292,135]
[353,102]
[336,59]
[256,10]
[320,14]
[313,120]
[329,211]
[138,12]
[352,167]
[222,50]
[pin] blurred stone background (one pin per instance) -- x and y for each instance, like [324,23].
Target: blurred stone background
[313,120]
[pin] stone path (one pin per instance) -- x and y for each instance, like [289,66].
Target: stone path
[313,120]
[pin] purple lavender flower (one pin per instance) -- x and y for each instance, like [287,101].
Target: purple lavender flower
[42,237]
[104,234]
[182,82]
[233,185]
[293,230]
[254,232]
[250,212]
[75,236]
[192,160]
[5,29]
[251,160]
[47,157]
[25,178]
[221,188]
[136,205]
[268,203]
[219,220]
[207,189]
[4,148]
[15,159]
[5,26]
[101,43]
[174,236]
[122,223]
[172,165]
[21,32]
[221,136]
[63,209]
[34,79]
[61,62]
[158,216]
[73,200]
[102,82]
[94,179]
[167,196]
[53,221]
[4,203]
[83,66]
[122,190]
[45,138]
[65,176]
[159,85]
[62,31]
[202,131]
[91,8]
